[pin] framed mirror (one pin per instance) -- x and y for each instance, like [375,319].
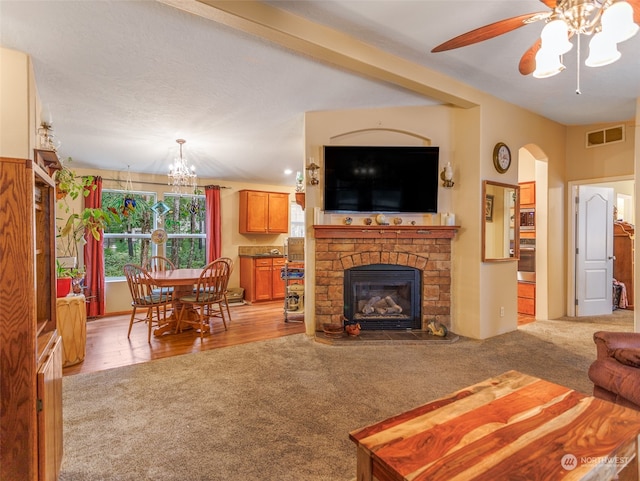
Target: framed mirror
[500,222]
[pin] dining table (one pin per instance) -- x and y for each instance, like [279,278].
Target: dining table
[182,281]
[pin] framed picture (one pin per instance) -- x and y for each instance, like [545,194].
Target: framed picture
[488,208]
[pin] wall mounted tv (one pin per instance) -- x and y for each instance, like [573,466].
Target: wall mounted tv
[381,179]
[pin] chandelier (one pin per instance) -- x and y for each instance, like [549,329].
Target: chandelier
[181,176]
[609,22]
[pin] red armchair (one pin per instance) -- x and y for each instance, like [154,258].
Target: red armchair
[616,371]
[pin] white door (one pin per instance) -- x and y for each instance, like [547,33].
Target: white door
[594,251]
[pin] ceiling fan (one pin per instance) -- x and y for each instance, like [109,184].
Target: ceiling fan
[606,19]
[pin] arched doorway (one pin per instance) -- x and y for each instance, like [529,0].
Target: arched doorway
[533,177]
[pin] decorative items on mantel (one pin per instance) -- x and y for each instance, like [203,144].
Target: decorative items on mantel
[385,231]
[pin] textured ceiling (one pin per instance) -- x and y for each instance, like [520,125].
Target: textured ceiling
[122,80]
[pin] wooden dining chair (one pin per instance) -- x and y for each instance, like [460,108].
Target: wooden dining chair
[209,292]
[146,295]
[229,261]
[159,264]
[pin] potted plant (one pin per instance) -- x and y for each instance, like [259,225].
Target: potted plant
[63,279]
[68,183]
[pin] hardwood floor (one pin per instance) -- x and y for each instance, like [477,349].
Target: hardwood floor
[108,347]
[525,319]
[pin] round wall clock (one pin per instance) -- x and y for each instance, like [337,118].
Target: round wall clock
[501,157]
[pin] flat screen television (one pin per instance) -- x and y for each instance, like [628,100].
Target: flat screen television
[381,179]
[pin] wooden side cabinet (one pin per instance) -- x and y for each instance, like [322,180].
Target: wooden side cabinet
[260,278]
[30,351]
[527,298]
[50,413]
[623,262]
[264,212]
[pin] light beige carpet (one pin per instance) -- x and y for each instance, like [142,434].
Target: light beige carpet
[282,409]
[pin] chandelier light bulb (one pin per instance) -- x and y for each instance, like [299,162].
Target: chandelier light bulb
[182,176]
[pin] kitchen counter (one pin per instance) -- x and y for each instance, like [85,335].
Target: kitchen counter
[259,256]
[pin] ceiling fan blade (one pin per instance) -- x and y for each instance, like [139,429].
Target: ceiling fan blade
[550,3]
[636,10]
[489,31]
[528,61]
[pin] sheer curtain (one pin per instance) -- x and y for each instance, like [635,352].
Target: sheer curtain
[93,257]
[212,222]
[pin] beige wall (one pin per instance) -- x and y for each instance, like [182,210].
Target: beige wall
[18,105]
[605,161]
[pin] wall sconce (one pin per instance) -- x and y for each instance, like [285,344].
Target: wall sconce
[447,176]
[313,169]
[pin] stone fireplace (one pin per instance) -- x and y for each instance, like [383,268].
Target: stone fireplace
[425,249]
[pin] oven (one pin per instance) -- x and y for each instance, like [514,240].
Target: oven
[527,262]
[527,220]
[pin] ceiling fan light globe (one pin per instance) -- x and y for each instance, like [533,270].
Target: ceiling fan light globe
[547,64]
[555,37]
[602,51]
[617,22]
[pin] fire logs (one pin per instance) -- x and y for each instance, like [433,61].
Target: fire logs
[382,306]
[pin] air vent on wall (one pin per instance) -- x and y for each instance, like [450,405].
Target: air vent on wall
[596,138]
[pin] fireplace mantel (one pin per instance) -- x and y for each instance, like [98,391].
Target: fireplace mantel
[385,231]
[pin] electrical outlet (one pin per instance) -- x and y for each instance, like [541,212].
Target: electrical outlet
[501,311]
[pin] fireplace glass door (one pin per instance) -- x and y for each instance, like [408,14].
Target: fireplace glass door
[383,296]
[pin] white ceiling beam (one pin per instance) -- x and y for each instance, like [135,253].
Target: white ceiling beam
[327,45]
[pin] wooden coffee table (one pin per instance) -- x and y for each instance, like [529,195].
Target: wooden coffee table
[513,426]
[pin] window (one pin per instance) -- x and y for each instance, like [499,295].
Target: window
[296,214]
[185,226]
[129,241]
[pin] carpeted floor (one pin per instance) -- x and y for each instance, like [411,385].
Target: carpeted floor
[282,409]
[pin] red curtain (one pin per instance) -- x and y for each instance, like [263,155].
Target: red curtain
[212,222]
[93,258]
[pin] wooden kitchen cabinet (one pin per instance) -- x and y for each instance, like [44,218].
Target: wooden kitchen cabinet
[260,278]
[527,193]
[31,349]
[264,212]
[526,298]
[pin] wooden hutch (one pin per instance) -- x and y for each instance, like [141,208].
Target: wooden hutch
[30,348]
